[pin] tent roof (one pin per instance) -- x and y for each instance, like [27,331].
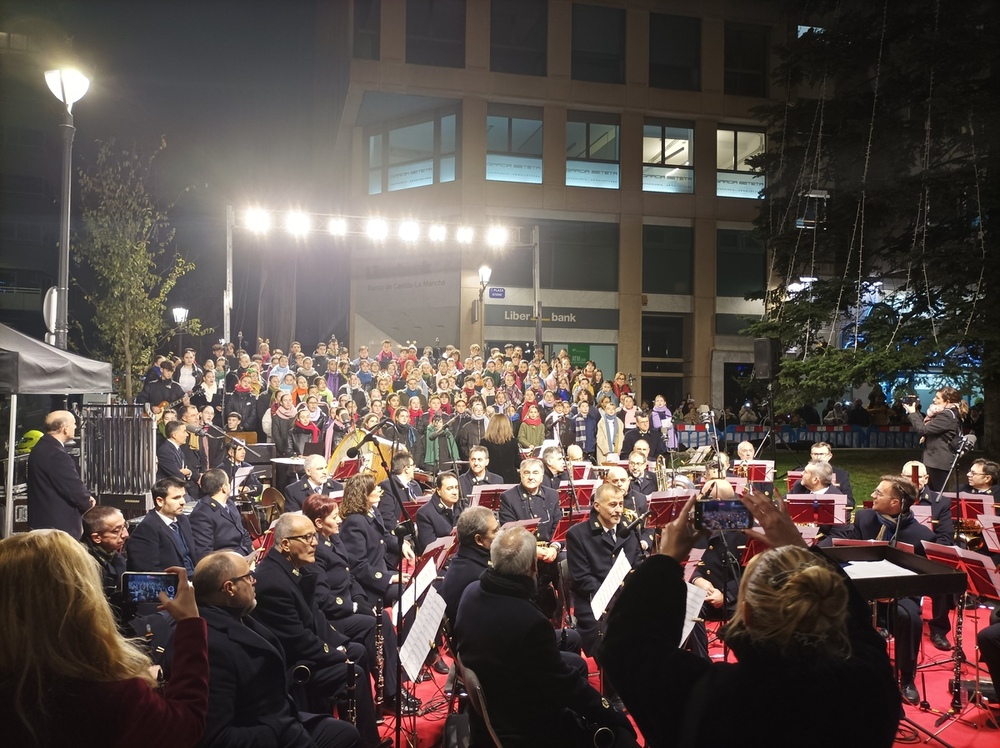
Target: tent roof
[31,367]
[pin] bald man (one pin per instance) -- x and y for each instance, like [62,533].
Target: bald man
[57,498]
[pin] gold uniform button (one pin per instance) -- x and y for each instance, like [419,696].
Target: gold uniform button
[378,575]
[326,647]
[340,601]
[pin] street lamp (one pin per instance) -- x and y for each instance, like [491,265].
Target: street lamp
[485,273]
[68,85]
[180,319]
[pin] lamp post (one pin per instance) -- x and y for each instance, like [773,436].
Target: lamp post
[68,85]
[180,319]
[485,273]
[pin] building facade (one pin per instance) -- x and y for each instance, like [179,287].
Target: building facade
[618,130]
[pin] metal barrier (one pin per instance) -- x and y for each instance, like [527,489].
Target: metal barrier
[118,454]
[884,437]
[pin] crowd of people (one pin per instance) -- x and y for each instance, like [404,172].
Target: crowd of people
[311,610]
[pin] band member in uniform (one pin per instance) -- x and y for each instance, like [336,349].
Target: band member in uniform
[532,500]
[437,517]
[634,504]
[317,480]
[555,467]
[479,460]
[642,479]
[475,530]
[215,522]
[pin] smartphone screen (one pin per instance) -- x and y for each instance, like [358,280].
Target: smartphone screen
[145,587]
[722,514]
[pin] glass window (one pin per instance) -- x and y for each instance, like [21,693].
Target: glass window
[746,50]
[413,155]
[667,259]
[367,28]
[519,36]
[735,176]
[514,144]
[662,336]
[591,151]
[674,52]
[740,264]
[598,44]
[435,32]
[668,157]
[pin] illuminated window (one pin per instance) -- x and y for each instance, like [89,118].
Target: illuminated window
[417,154]
[668,157]
[514,144]
[735,177]
[592,150]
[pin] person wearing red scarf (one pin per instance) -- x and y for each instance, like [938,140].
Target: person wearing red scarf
[303,432]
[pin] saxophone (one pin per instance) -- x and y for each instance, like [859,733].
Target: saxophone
[379,656]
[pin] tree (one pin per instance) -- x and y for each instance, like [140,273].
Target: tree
[125,238]
[892,111]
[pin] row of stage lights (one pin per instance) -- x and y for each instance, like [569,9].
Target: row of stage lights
[299,224]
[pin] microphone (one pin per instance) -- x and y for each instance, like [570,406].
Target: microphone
[369,437]
[706,414]
[623,531]
[438,434]
[199,430]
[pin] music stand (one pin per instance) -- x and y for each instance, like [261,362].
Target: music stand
[488,495]
[791,478]
[665,506]
[583,490]
[983,580]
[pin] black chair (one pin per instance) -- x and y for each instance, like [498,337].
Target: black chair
[476,697]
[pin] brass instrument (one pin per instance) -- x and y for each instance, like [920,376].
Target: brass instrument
[379,656]
[663,476]
[628,515]
[352,694]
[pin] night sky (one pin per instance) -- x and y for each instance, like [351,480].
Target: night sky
[229,85]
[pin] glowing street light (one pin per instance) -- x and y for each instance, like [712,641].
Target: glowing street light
[496,236]
[465,235]
[338,227]
[437,233]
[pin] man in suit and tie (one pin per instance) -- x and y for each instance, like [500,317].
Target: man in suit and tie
[174,458]
[164,537]
[397,488]
[642,479]
[477,474]
[197,440]
[248,702]
[317,480]
[57,498]
[215,522]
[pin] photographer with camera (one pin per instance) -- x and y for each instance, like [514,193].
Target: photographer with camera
[941,428]
[798,621]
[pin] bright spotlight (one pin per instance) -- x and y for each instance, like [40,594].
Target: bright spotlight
[338,227]
[496,236]
[377,229]
[298,223]
[257,220]
[409,231]
[465,234]
[437,233]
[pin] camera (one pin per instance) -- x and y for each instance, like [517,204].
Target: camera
[909,399]
[722,514]
[145,587]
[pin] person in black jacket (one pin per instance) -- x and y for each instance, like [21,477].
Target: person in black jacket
[799,621]
[57,497]
[317,480]
[104,534]
[479,460]
[286,604]
[215,522]
[248,703]
[174,459]
[939,428]
[475,530]
[437,517]
[164,537]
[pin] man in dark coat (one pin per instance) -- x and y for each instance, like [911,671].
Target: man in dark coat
[286,605]
[555,468]
[534,696]
[477,474]
[437,517]
[655,440]
[476,529]
[104,534]
[57,498]
[317,480]
[399,487]
[643,480]
[215,522]
[248,703]
[174,458]
[841,478]
[164,537]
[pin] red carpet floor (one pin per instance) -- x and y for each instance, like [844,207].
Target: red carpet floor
[936,669]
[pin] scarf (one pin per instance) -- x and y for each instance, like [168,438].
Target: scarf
[282,412]
[531,421]
[415,413]
[240,387]
[447,452]
[611,429]
[299,395]
[210,390]
[890,525]
[660,417]
[933,410]
[310,427]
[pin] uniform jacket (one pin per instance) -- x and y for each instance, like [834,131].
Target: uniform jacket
[433,522]
[516,504]
[296,493]
[364,541]
[218,527]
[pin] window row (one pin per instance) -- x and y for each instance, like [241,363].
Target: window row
[668,262]
[435,35]
[425,152]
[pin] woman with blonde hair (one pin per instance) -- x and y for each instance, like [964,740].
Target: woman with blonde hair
[68,677]
[802,636]
[504,454]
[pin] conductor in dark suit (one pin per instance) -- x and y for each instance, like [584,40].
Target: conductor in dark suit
[248,702]
[317,480]
[592,548]
[286,605]
[890,519]
[57,498]
[437,517]
[477,474]
[215,522]
[174,459]
[164,537]
[535,697]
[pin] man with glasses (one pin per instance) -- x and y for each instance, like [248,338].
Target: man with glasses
[248,703]
[982,478]
[104,534]
[286,605]
[841,478]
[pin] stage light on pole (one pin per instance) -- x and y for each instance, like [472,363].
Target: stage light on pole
[496,236]
[338,227]
[298,223]
[437,233]
[409,231]
[257,220]
[465,235]
[377,229]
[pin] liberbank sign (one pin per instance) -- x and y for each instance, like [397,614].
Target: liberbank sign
[510,315]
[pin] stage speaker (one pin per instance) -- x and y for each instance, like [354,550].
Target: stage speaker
[766,354]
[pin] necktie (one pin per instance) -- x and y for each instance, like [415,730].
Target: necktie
[185,551]
[611,536]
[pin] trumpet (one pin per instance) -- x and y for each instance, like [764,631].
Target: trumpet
[629,516]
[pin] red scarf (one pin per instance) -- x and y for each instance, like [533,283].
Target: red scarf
[310,427]
[415,414]
[532,421]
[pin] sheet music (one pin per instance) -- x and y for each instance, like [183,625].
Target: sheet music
[692,563]
[922,514]
[422,634]
[417,586]
[242,473]
[840,509]
[692,610]
[603,596]
[990,527]
[528,524]
[876,569]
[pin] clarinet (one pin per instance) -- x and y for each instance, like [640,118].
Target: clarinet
[379,656]
[956,692]
[352,694]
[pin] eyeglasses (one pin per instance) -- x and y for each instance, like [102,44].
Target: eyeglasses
[120,530]
[307,539]
[250,576]
[818,454]
[973,472]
